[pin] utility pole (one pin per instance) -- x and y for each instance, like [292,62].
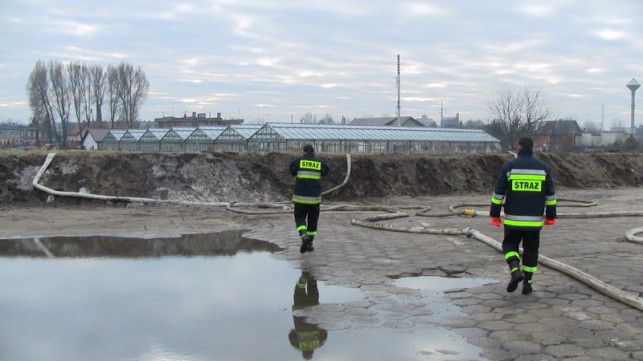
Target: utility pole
[398,89]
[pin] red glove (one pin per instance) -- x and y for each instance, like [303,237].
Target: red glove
[496,221]
[550,222]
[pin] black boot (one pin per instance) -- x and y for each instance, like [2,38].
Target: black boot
[526,284]
[516,276]
[310,247]
[305,243]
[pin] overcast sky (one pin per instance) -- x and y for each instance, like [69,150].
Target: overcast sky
[265,60]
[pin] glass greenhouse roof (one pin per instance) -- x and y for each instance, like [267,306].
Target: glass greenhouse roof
[157,133]
[323,132]
[211,132]
[116,134]
[246,130]
[134,134]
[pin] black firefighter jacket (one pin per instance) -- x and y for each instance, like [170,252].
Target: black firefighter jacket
[308,169]
[526,186]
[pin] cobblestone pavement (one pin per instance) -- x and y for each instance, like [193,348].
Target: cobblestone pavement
[563,319]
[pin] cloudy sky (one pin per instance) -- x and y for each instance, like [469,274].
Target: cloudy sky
[277,60]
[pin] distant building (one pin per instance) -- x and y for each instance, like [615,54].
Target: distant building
[17,134]
[602,139]
[558,136]
[387,121]
[427,122]
[451,122]
[196,120]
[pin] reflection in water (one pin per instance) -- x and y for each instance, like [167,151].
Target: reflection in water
[306,336]
[196,297]
[226,243]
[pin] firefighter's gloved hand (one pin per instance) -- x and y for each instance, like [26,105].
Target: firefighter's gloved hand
[496,221]
[550,221]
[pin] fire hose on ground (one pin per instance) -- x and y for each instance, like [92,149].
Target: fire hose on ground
[394,212]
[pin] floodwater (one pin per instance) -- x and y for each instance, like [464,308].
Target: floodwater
[198,297]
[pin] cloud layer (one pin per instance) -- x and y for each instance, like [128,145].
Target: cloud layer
[275,61]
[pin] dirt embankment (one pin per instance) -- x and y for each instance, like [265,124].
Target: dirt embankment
[223,177]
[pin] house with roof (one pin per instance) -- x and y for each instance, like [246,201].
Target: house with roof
[558,136]
[387,121]
[93,137]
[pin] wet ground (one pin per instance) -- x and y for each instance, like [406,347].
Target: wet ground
[198,297]
[562,319]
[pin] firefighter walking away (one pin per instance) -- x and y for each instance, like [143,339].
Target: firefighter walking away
[308,170]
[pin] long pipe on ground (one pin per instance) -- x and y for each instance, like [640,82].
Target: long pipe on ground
[600,286]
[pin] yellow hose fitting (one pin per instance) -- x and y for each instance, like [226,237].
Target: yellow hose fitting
[469,212]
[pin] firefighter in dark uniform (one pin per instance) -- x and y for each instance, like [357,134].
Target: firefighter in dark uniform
[306,337]
[307,194]
[526,187]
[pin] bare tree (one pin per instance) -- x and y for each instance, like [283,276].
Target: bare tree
[39,101]
[326,119]
[61,94]
[113,91]
[78,85]
[98,85]
[133,86]
[517,112]
[308,118]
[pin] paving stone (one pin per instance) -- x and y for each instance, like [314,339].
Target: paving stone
[495,325]
[560,351]
[596,325]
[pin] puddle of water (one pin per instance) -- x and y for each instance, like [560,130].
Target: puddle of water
[441,284]
[198,297]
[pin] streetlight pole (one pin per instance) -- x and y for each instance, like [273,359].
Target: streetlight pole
[632,85]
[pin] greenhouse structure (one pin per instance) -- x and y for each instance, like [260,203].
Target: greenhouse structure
[290,137]
[151,140]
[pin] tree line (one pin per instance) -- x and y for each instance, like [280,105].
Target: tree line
[60,93]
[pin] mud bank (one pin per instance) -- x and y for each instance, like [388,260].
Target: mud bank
[246,177]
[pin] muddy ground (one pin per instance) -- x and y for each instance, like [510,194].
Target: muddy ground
[226,177]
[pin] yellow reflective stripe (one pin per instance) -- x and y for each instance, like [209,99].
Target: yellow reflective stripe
[512,254]
[312,233]
[533,177]
[308,176]
[495,200]
[529,269]
[301,228]
[306,200]
[308,345]
[550,202]
[511,222]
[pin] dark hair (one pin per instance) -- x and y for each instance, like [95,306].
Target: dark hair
[308,148]
[526,142]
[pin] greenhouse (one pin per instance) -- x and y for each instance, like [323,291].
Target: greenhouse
[202,139]
[289,137]
[174,139]
[129,141]
[151,140]
[285,137]
[112,139]
[235,137]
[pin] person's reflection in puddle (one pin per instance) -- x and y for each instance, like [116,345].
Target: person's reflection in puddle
[306,336]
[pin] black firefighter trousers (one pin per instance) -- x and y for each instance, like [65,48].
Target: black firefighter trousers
[530,244]
[306,217]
